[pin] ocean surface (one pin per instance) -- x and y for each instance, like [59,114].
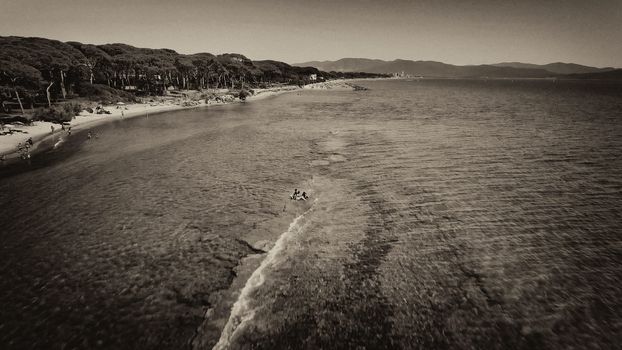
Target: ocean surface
[442,214]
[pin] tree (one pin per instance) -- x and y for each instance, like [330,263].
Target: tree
[19,74]
[186,69]
[94,58]
[202,63]
[38,67]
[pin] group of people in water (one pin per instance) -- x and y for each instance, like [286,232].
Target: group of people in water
[62,127]
[298,196]
[24,150]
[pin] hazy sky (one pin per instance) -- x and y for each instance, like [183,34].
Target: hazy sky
[451,31]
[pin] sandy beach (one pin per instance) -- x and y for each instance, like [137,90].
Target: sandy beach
[41,130]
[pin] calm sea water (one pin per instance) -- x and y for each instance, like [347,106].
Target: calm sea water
[443,214]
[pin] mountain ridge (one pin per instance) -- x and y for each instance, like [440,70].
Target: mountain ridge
[557,67]
[445,70]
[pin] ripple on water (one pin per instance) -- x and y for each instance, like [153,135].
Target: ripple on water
[473,220]
[473,214]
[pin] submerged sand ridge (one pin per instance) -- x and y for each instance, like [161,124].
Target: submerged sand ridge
[242,311]
[331,261]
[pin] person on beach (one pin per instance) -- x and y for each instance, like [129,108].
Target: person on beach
[295,195]
[52,127]
[304,196]
[89,135]
[62,127]
[30,141]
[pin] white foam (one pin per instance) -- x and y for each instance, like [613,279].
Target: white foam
[242,311]
[58,143]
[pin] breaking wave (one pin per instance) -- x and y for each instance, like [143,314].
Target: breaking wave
[242,311]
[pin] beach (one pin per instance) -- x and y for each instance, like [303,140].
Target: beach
[42,130]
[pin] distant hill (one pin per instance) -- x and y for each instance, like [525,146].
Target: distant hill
[443,70]
[557,67]
[615,74]
[424,68]
[343,65]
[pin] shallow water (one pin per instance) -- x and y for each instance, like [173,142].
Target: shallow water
[451,213]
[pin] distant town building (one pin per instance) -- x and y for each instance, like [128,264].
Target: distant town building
[313,77]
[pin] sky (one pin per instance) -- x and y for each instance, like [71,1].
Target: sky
[451,31]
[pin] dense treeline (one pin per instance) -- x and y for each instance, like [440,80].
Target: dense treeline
[37,71]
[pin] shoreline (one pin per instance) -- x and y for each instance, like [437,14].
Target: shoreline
[41,131]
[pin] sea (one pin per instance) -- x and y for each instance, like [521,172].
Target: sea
[442,214]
